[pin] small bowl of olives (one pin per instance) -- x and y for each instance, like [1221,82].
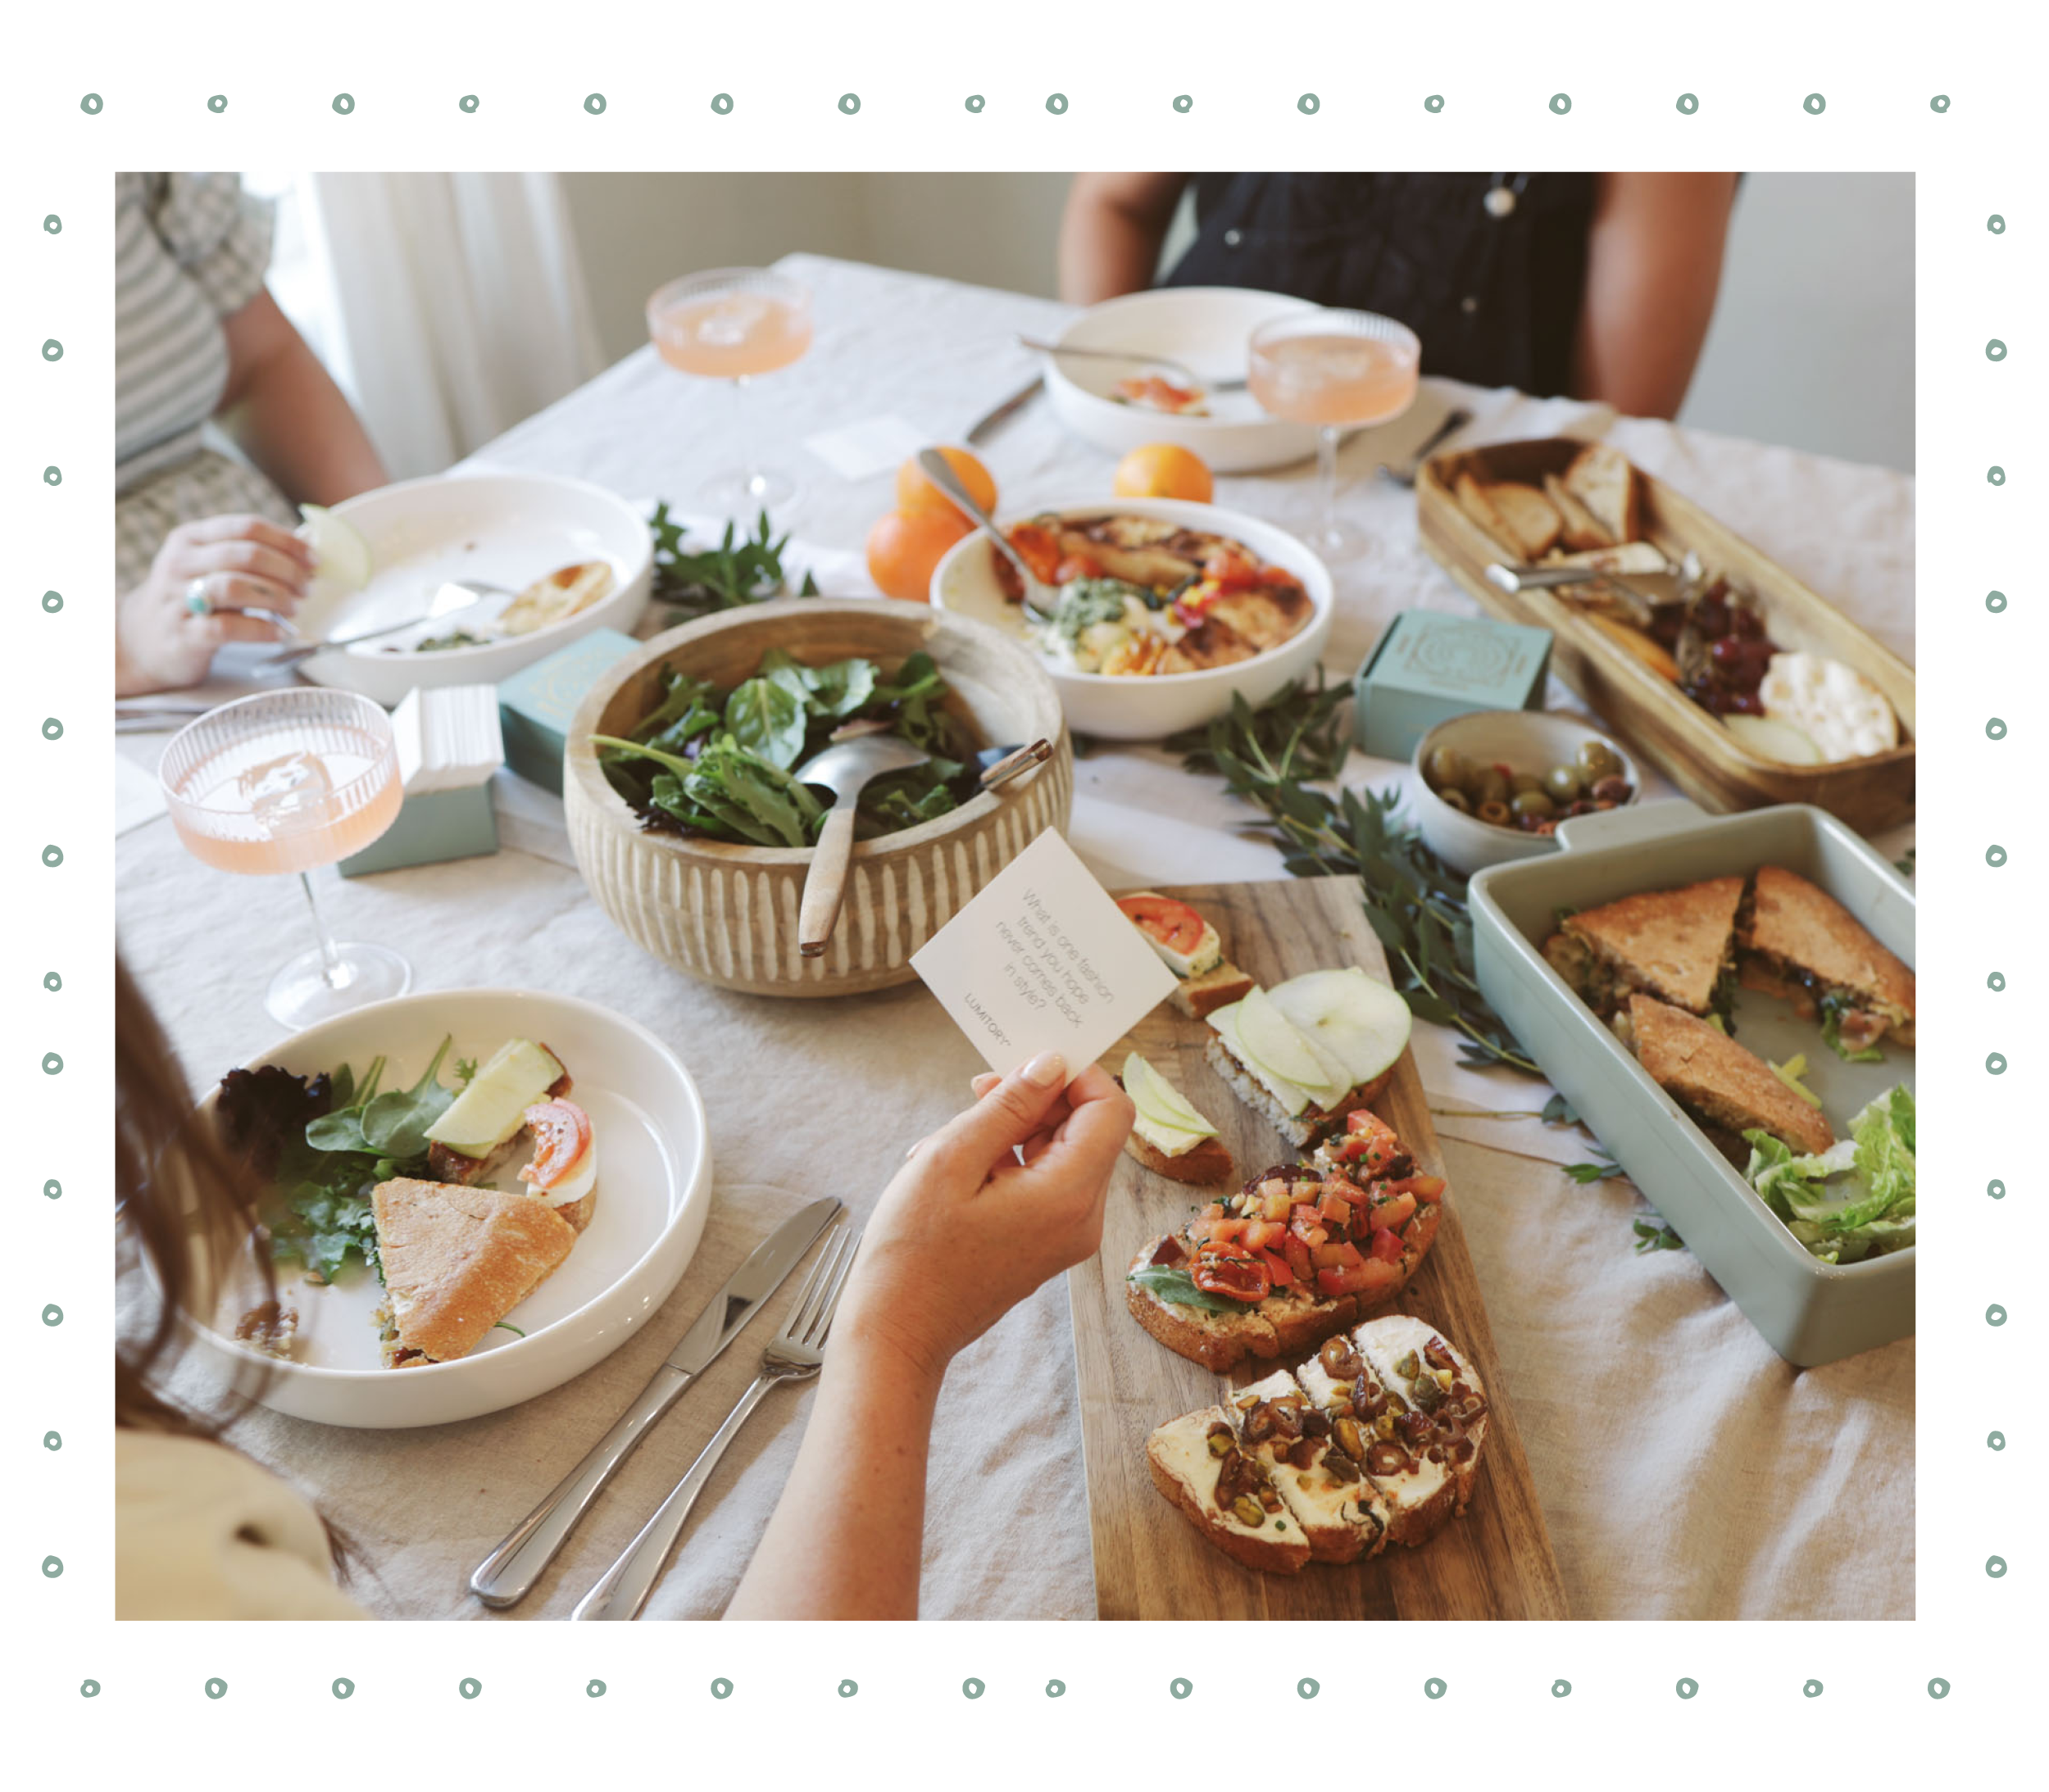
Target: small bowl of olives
[1493,786]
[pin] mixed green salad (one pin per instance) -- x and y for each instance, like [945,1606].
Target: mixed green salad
[721,764]
[323,1143]
[1855,1200]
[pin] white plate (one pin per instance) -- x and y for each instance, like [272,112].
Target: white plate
[498,528]
[1207,329]
[654,1188]
[1144,709]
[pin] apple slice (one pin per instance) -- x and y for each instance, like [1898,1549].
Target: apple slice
[1357,1020]
[1768,738]
[494,1106]
[1276,1045]
[1160,1105]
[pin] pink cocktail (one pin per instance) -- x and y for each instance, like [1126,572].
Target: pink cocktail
[1336,370]
[286,782]
[733,323]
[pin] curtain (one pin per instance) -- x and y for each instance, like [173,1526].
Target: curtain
[456,306]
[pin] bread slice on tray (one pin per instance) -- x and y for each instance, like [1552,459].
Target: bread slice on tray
[1799,942]
[456,1260]
[1167,1136]
[1726,1087]
[1602,478]
[1341,1512]
[1676,945]
[1197,1464]
[1188,946]
[1584,531]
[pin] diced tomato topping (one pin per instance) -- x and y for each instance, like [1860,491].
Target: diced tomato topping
[1302,1222]
[1214,1210]
[1390,1214]
[1424,1188]
[1275,1206]
[1224,1231]
[1327,1256]
[1038,547]
[1077,566]
[1298,1255]
[1264,1234]
[1368,1278]
[1233,1273]
[1173,924]
[1369,1141]
[1336,1206]
[1231,570]
[1348,1256]
[1387,1247]
[1277,1269]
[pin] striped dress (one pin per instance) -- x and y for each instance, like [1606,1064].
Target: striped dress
[189,250]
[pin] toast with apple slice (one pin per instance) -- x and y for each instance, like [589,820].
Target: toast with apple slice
[1307,1052]
[520,1097]
[1167,1136]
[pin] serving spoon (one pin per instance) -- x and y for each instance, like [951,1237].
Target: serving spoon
[844,770]
[1038,596]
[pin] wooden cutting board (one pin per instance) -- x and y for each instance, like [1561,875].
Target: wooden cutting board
[1496,1562]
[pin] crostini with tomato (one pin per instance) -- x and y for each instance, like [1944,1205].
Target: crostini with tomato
[1295,1257]
[1188,946]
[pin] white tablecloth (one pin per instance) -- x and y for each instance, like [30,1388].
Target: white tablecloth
[1685,1470]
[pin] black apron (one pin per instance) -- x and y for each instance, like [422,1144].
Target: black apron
[1491,285]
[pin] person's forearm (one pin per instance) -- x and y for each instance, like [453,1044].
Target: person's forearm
[846,1537]
[1111,234]
[294,424]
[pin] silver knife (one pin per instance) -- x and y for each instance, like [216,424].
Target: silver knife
[981,431]
[507,1575]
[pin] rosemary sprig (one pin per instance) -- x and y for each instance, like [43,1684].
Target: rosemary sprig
[1415,904]
[740,570]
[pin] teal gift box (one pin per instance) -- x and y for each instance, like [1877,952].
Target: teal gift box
[536,706]
[449,750]
[1429,667]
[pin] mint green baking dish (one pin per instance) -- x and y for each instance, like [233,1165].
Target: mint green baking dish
[1809,1311]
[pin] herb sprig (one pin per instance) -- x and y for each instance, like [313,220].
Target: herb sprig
[740,570]
[1272,757]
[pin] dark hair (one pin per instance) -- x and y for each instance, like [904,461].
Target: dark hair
[182,1197]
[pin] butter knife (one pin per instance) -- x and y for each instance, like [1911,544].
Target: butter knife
[507,1575]
[985,427]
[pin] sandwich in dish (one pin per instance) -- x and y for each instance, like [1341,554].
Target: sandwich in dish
[1727,1089]
[1676,945]
[1799,942]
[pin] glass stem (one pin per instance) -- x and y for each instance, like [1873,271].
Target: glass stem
[1327,478]
[333,971]
[750,478]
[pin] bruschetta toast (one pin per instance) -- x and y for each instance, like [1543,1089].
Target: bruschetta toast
[1341,1512]
[1196,1463]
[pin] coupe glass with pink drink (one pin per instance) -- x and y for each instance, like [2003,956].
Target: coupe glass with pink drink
[290,781]
[1338,370]
[732,324]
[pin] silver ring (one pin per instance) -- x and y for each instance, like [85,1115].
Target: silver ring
[197,601]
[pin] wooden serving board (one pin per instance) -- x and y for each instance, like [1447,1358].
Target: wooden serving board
[1496,1562]
[1651,716]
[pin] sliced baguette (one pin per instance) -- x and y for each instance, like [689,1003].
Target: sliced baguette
[1188,1475]
[1583,530]
[1341,1512]
[1533,522]
[1419,1495]
[1208,1162]
[1602,478]
[1220,985]
[1387,1343]
[1301,1130]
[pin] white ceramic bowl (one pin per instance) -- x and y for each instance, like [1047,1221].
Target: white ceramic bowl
[501,528]
[1144,709]
[654,1189]
[1207,329]
[1528,740]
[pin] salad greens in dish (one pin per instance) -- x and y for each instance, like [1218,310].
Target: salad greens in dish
[721,764]
[323,1143]
[1855,1200]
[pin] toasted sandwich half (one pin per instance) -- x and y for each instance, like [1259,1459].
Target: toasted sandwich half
[1676,945]
[456,1260]
[1727,1089]
[1799,942]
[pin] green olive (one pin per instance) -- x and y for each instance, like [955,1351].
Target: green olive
[1488,786]
[1563,783]
[1534,802]
[1452,797]
[1520,781]
[1494,812]
[1446,768]
[1598,759]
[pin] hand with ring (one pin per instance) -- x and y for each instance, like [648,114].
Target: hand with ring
[204,576]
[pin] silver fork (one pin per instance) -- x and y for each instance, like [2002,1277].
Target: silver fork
[796,1353]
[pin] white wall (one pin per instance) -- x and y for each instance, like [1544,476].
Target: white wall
[1812,344]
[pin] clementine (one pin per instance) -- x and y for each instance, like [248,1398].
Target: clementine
[914,491]
[1160,469]
[906,545]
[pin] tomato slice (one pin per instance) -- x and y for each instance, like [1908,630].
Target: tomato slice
[1235,1274]
[561,1136]
[1277,1269]
[1172,924]
[1387,1247]
[1298,1255]
[1391,1214]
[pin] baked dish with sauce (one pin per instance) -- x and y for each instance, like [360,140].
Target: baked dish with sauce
[1146,597]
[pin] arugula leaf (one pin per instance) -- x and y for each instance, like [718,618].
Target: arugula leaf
[843,689]
[1600,1172]
[763,716]
[395,1123]
[1179,1286]
[740,570]
[1653,1234]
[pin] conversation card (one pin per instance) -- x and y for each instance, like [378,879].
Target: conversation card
[1043,960]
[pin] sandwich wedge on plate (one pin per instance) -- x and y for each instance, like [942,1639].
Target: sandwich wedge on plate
[1676,945]
[1799,942]
[1726,1088]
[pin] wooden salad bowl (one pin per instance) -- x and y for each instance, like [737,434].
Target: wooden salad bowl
[728,915]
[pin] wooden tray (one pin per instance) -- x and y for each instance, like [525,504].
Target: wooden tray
[1689,745]
[1497,1561]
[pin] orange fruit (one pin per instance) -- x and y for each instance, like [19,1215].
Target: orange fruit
[914,491]
[906,545]
[1162,470]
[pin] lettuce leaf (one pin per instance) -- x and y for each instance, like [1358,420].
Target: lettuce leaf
[1853,1201]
